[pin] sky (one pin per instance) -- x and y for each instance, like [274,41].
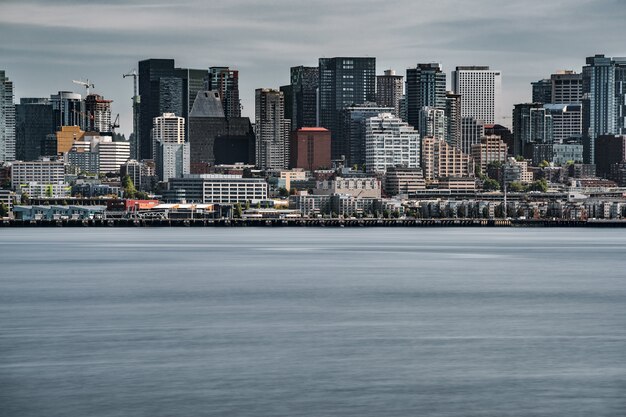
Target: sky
[45,44]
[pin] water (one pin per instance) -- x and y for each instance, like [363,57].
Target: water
[312,322]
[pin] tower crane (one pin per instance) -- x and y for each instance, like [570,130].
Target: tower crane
[136,101]
[85,84]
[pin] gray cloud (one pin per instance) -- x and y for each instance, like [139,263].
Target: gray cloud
[47,44]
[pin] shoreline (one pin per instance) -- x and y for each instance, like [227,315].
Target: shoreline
[313,223]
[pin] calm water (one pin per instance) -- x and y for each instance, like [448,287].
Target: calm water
[312,322]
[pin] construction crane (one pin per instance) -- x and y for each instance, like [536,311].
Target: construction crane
[85,84]
[115,124]
[136,101]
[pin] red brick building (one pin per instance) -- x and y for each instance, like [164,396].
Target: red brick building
[310,148]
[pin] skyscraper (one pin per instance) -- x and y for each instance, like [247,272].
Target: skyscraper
[164,89]
[599,106]
[453,119]
[389,90]
[7,119]
[34,120]
[68,109]
[170,149]
[471,132]
[542,91]
[272,129]
[567,87]
[425,87]
[344,81]
[226,82]
[480,90]
[532,124]
[304,84]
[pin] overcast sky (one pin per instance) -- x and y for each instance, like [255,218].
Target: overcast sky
[44,44]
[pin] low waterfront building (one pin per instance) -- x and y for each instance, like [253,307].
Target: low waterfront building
[400,180]
[34,212]
[365,187]
[217,189]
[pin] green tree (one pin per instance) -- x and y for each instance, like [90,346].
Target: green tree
[282,191]
[491,185]
[238,211]
[544,164]
[519,158]
[516,187]
[49,191]
[25,198]
[129,187]
[4,210]
[539,185]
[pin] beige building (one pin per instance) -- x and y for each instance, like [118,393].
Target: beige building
[367,187]
[439,159]
[400,180]
[490,149]
[67,136]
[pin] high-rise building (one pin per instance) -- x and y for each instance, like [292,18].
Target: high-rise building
[68,109]
[433,123]
[304,87]
[97,114]
[389,90]
[567,87]
[480,90]
[471,132]
[599,107]
[566,121]
[344,81]
[490,149]
[532,123]
[226,82]
[164,89]
[215,139]
[390,142]
[453,119]
[168,132]
[272,130]
[542,91]
[34,120]
[425,87]
[310,148]
[620,95]
[352,131]
[7,119]
[440,160]
[65,139]
[610,150]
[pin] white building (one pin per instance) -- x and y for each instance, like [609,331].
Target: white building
[171,152]
[390,142]
[218,189]
[480,89]
[41,172]
[7,119]
[111,155]
[368,187]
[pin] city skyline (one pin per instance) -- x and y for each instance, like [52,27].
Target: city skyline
[46,46]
